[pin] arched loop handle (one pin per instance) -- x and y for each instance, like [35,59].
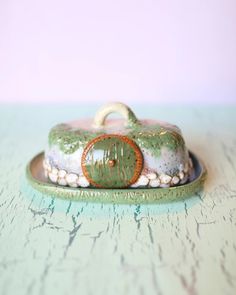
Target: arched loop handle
[116,107]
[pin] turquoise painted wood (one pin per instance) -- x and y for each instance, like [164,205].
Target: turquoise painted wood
[52,246]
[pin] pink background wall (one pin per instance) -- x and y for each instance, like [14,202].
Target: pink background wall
[157,51]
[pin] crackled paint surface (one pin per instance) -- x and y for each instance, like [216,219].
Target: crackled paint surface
[50,246]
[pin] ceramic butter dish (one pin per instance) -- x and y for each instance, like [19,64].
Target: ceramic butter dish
[117,153]
[124,160]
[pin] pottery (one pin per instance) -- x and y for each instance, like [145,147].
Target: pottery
[142,195]
[117,153]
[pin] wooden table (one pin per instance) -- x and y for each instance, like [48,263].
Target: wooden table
[53,246]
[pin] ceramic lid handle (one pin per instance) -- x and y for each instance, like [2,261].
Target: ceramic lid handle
[115,107]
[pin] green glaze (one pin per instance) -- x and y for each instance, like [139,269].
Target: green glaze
[154,137]
[132,119]
[35,176]
[151,137]
[124,166]
[69,139]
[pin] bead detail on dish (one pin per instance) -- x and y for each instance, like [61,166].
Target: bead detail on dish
[62,177]
[148,179]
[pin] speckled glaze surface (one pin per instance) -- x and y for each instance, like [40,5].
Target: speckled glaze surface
[165,158]
[36,177]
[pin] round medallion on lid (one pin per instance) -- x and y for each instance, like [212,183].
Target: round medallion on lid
[112,160]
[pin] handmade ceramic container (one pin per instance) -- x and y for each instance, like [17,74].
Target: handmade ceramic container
[117,153]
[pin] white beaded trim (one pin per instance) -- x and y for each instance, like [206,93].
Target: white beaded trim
[149,179]
[152,179]
[62,177]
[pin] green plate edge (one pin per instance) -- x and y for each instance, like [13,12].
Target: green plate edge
[118,196]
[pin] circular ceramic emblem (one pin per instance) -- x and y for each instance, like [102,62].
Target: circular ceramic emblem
[112,161]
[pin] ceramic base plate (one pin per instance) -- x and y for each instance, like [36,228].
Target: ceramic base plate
[35,176]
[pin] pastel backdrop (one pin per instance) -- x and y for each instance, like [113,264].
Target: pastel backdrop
[131,50]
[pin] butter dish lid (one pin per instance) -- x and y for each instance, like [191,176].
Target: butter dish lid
[117,153]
